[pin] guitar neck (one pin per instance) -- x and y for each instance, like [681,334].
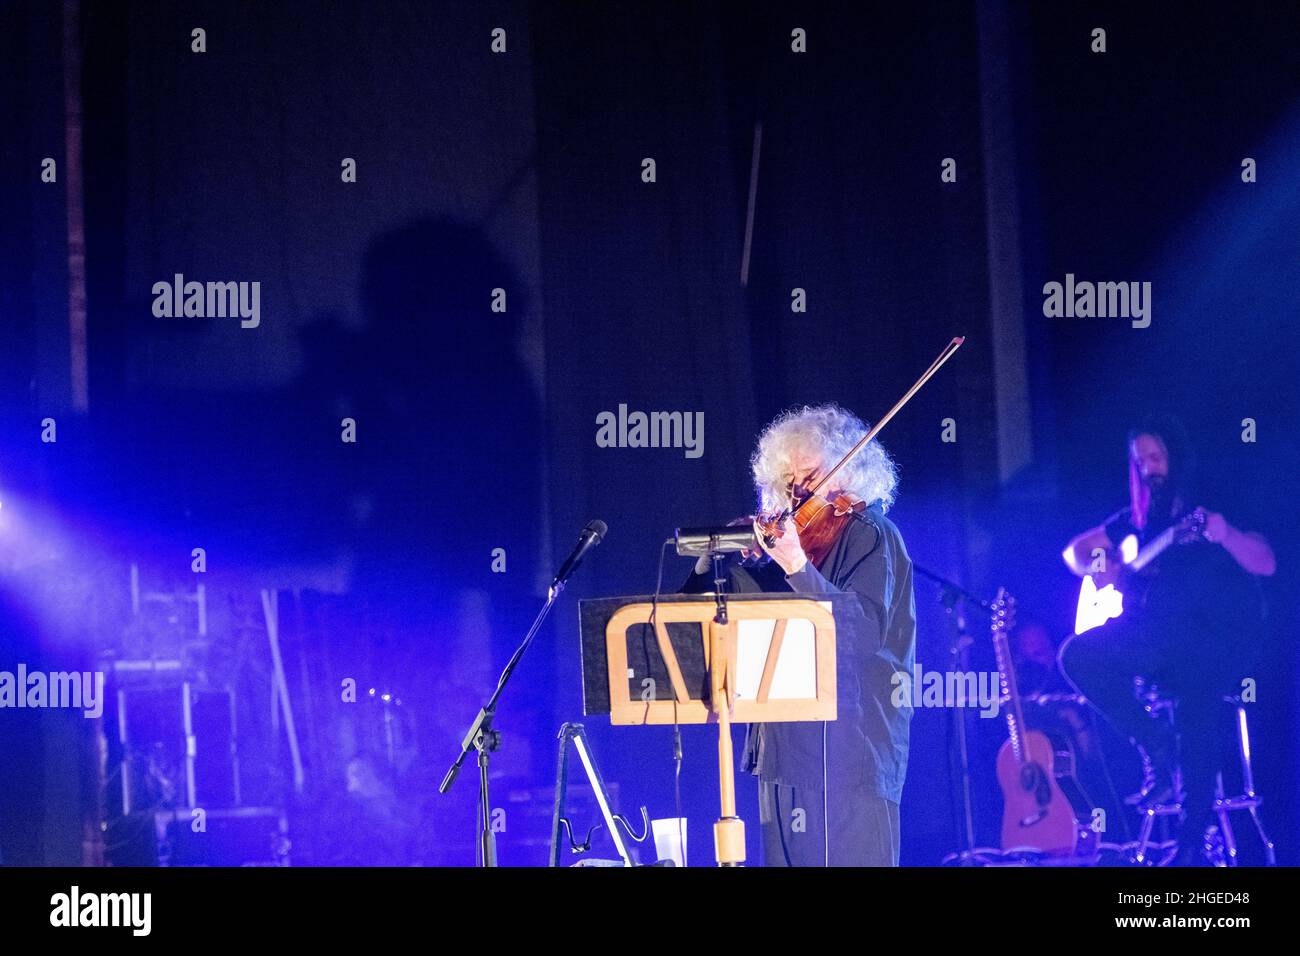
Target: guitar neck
[1015,716]
[1154,548]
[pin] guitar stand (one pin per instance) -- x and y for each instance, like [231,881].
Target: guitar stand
[575,734]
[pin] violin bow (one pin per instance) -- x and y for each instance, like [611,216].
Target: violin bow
[948,351]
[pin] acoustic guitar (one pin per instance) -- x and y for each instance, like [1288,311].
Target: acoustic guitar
[1044,808]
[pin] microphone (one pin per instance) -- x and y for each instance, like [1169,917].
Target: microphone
[590,537]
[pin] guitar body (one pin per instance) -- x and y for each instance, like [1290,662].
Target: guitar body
[1043,805]
[1106,594]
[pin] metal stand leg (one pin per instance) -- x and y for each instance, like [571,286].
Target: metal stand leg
[1221,808]
[1144,835]
[1149,816]
[486,838]
[1270,855]
[1249,799]
[1163,708]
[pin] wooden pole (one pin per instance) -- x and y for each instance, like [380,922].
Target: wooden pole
[729,831]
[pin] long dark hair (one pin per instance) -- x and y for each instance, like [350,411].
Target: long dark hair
[1181,461]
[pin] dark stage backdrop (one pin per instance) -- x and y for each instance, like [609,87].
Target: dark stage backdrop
[523,171]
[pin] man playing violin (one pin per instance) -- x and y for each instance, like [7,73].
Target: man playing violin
[829,792]
[1193,628]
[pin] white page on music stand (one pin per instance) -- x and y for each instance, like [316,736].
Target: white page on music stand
[796,668]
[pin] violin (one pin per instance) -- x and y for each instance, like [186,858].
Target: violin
[820,519]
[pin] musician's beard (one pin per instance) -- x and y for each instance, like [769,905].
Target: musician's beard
[1162,498]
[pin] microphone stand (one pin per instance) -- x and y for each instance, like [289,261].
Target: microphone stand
[484,739]
[953,596]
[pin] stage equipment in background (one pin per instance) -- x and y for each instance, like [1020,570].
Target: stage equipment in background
[231,836]
[280,685]
[481,736]
[167,756]
[178,747]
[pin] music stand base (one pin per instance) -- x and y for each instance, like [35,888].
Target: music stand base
[729,841]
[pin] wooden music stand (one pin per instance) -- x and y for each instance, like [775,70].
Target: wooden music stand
[773,660]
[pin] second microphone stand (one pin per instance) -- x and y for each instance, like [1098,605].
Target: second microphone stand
[953,597]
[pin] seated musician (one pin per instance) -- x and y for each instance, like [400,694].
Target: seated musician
[1193,627]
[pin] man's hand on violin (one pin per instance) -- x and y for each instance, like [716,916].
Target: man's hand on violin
[786,550]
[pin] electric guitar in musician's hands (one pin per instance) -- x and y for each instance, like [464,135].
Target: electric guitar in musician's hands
[1103,592]
[1044,808]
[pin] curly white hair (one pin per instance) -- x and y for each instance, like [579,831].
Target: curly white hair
[826,433]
